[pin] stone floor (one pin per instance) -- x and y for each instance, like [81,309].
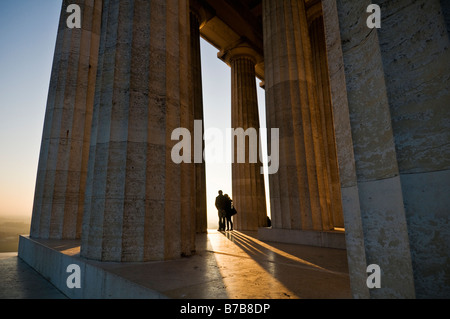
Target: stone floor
[227,265]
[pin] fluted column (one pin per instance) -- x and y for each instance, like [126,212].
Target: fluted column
[320,63]
[354,233]
[197,95]
[299,191]
[247,181]
[379,186]
[61,177]
[138,201]
[417,67]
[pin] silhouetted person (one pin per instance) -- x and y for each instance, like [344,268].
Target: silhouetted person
[221,208]
[229,211]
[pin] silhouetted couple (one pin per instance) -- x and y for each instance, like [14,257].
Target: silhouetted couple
[224,205]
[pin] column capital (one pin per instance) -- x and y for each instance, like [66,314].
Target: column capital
[238,50]
[196,7]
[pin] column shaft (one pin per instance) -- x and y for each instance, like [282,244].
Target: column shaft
[379,187]
[299,193]
[320,63]
[354,235]
[414,47]
[248,182]
[138,201]
[61,177]
[197,93]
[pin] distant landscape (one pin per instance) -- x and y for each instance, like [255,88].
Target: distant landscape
[10,229]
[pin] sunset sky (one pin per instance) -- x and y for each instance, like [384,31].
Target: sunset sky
[27,36]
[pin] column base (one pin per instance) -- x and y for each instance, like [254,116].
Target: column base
[325,239]
[50,258]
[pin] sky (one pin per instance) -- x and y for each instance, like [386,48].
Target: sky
[27,36]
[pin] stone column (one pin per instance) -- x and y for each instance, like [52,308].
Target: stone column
[415,51]
[248,196]
[61,177]
[354,235]
[320,63]
[138,201]
[378,181]
[196,19]
[299,192]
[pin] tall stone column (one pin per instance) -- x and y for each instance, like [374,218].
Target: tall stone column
[138,201]
[354,233]
[196,19]
[300,195]
[249,196]
[416,58]
[320,63]
[61,176]
[379,187]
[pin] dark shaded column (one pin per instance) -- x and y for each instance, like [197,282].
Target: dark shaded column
[247,178]
[416,59]
[197,94]
[354,233]
[320,63]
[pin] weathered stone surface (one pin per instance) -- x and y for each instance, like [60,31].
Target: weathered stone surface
[320,64]
[429,231]
[418,98]
[196,19]
[62,169]
[445,5]
[380,192]
[299,190]
[354,235]
[249,197]
[415,49]
[138,202]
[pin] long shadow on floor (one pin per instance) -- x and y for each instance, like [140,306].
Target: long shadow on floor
[310,272]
